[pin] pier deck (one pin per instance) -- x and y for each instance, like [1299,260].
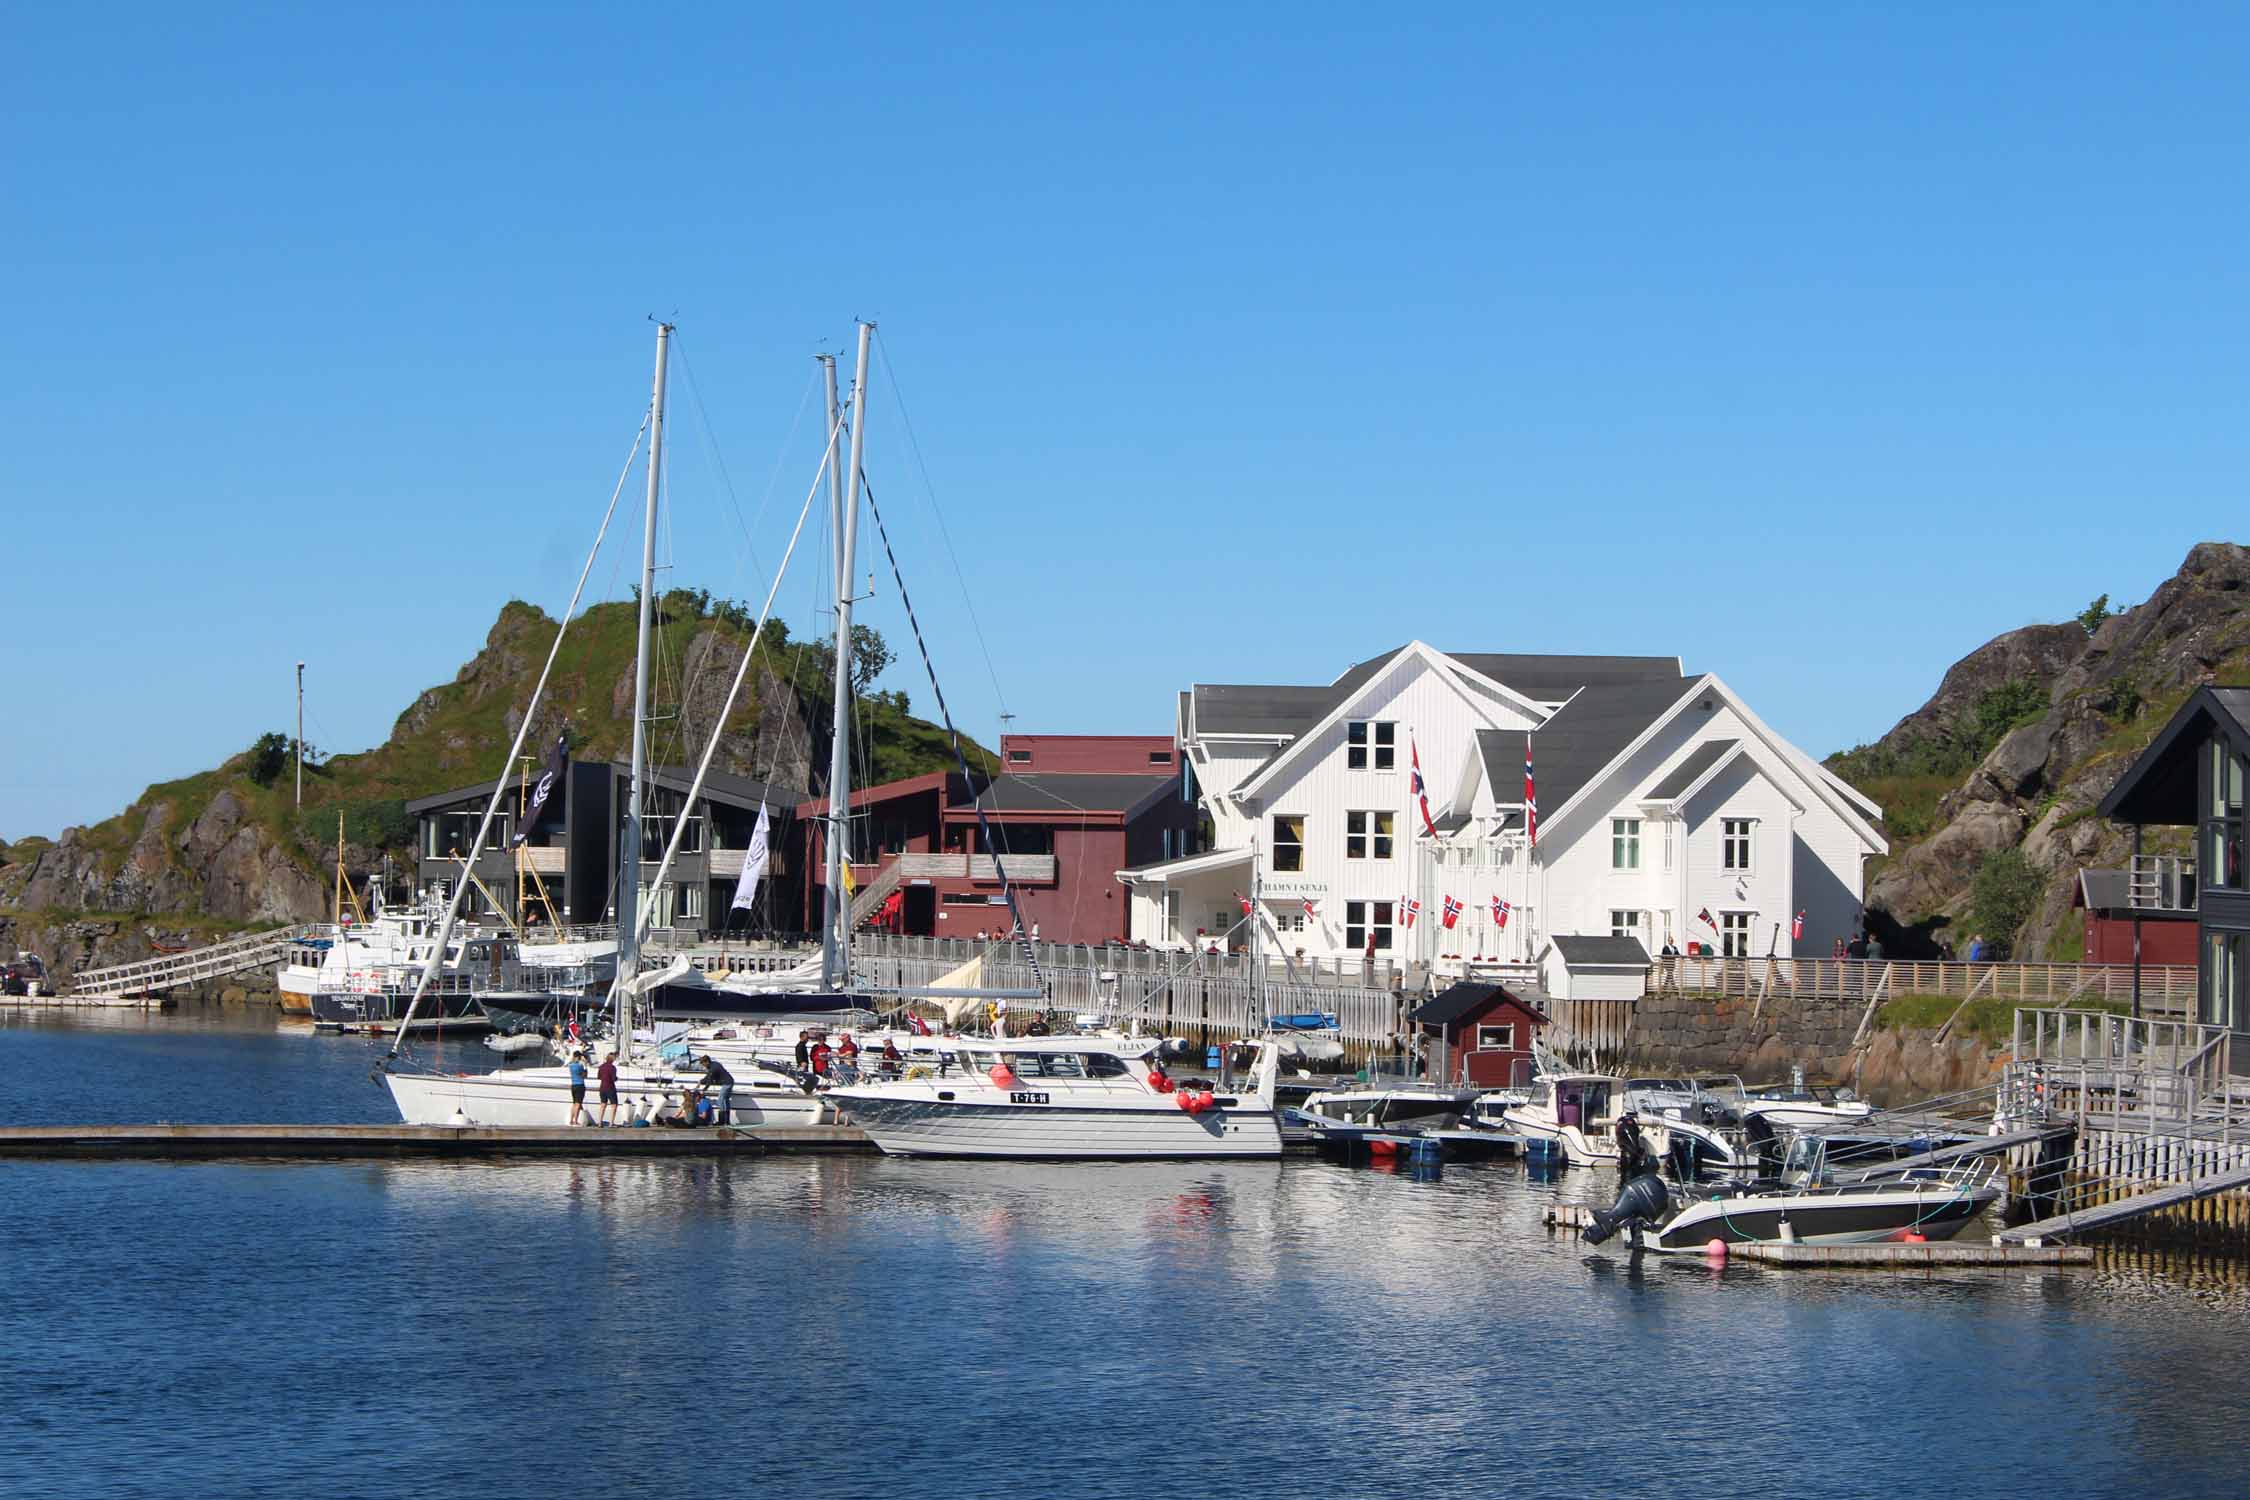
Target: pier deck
[2124,1210]
[359,1142]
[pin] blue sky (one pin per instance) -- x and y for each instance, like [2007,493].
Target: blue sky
[1816,345]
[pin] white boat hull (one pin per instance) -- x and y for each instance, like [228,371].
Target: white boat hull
[1578,1147]
[1160,1132]
[541,1097]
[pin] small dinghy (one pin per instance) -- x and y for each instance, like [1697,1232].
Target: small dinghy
[517,1042]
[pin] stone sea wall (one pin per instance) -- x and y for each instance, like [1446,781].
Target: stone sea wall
[1763,1040]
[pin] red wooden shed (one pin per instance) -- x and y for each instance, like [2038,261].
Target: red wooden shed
[1480,1034]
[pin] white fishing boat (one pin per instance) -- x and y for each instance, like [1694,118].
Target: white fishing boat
[1074,1098]
[1798,1106]
[1577,1111]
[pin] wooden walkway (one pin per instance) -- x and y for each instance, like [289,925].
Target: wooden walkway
[2109,1215]
[1889,1257]
[346,1142]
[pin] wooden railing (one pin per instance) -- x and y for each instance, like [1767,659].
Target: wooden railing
[1030,867]
[2164,988]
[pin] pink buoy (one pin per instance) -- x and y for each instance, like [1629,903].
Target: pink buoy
[1716,1249]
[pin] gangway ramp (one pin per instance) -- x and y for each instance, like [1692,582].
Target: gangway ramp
[153,976]
[2109,1215]
[1987,1145]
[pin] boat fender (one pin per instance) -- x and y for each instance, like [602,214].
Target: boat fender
[1004,1076]
[1716,1249]
[1194,1101]
[1913,1237]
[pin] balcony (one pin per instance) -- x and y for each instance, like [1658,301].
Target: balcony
[1032,869]
[2161,882]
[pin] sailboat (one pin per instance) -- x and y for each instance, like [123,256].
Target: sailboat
[542,1096]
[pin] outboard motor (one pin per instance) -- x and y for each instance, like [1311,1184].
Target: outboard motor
[1765,1146]
[1644,1201]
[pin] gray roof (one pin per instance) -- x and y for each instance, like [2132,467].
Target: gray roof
[1065,792]
[1452,822]
[1249,708]
[718,785]
[1689,771]
[2103,890]
[1599,952]
[1571,748]
[1466,996]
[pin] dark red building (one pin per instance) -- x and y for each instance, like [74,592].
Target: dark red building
[1065,814]
[2167,913]
[1480,1034]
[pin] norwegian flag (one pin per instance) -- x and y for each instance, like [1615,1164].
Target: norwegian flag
[1500,910]
[1704,916]
[1408,910]
[1452,912]
[1796,927]
[921,1027]
[1421,791]
[1245,900]
[1310,914]
[1530,798]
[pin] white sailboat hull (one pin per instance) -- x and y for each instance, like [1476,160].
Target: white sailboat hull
[1159,1131]
[541,1097]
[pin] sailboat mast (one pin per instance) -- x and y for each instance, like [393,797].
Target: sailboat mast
[629,873]
[835,937]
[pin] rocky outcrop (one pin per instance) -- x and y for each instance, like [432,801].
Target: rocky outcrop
[2037,787]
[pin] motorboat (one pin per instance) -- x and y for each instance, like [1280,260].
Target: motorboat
[540,1096]
[1797,1106]
[1925,1203]
[1577,1111]
[1400,1106]
[1074,1098]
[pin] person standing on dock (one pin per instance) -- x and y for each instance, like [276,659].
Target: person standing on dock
[716,1076]
[606,1075]
[577,1089]
[819,1059]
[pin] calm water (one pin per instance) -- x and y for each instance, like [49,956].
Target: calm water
[871,1327]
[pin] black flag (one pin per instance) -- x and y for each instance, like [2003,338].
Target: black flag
[543,788]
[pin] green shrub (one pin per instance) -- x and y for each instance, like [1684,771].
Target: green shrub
[2002,897]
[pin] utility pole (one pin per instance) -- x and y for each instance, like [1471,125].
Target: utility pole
[300,734]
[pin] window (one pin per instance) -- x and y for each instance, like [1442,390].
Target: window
[1734,843]
[691,901]
[1365,921]
[1289,922]
[1667,843]
[1734,933]
[1367,835]
[973,898]
[1625,843]
[1624,924]
[1019,757]
[1370,743]
[657,831]
[1160,757]
[2219,1001]
[1288,841]
[1497,1038]
[2222,830]
[1172,912]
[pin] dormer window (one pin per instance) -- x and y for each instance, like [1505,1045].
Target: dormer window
[1370,744]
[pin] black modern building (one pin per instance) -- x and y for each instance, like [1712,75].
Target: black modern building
[570,860]
[2192,775]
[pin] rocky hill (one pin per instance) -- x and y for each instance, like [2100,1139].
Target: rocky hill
[228,845]
[1989,788]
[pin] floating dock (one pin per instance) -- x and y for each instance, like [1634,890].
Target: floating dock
[1898,1257]
[360,1142]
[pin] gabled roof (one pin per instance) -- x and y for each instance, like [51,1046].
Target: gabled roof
[1255,709]
[1702,759]
[1466,998]
[720,786]
[2159,786]
[1192,864]
[1600,952]
[1574,746]
[1065,792]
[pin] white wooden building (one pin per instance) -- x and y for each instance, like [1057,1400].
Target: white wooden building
[1661,798]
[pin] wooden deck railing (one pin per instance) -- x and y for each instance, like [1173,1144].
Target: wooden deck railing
[2165,988]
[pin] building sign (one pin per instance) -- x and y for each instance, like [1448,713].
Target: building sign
[1292,890]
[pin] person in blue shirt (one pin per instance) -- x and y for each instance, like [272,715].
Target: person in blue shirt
[577,1089]
[1976,949]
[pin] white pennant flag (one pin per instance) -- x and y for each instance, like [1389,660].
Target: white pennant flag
[753,864]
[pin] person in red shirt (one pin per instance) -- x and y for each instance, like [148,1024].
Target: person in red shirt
[606,1076]
[820,1059]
